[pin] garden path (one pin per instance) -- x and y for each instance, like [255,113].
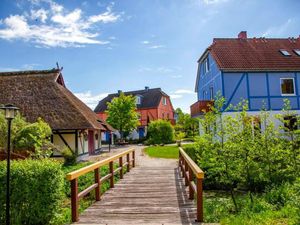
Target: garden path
[152,193]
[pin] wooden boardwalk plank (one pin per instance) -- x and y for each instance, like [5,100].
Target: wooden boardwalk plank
[152,193]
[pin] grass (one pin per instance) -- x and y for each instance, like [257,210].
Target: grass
[166,152]
[218,208]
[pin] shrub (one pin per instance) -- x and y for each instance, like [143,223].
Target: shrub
[160,132]
[69,156]
[36,191]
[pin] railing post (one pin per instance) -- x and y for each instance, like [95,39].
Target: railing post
[128,162]
[111,171]
[74,199]
[185,174]
[133,158]
[191,190]
[98,188]
[199,200]
[121,165]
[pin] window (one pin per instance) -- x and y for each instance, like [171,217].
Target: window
[211,89]
[287,86]
[138,100]
[164,100]
[290,122]
[204,95]
[284,52]
[297,51]
[206,65]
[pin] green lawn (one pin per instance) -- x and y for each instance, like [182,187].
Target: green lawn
[168,152]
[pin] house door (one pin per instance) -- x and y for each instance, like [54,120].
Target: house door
[141,132]
[91,142]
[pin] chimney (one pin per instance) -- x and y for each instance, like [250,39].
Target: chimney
[119,92]
[146,88]
[242,35]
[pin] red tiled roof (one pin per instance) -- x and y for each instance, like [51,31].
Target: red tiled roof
[255,54]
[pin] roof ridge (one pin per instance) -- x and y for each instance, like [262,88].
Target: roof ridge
[29,72]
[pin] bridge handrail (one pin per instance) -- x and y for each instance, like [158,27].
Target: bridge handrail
[73,178]
[191,171]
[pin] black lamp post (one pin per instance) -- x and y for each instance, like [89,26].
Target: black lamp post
[10,113]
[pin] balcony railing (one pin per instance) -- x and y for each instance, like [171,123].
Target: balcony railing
[200,107]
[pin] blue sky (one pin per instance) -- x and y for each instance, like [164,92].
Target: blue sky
[106,46]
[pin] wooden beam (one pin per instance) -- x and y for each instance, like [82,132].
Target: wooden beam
[64,141]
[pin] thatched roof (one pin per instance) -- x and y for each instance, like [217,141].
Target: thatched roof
[43,94]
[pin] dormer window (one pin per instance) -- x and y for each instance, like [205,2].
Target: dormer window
[138,100]
[297,51]
[284,52]
[164,101]
[206,65]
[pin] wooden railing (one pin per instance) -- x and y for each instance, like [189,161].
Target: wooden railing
[191,173]
[73,178]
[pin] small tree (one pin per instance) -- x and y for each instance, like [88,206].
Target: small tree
[122,113]
[160,132]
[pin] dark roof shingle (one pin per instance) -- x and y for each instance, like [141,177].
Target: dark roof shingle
[150,99]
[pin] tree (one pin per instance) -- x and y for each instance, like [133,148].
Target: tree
[122,113]
[160,132]
[185,123]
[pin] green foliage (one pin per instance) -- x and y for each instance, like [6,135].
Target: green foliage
[17,124]
[31,137]
[122,113]
[186,124]
[160,132]
[69,156]
[36,191]
[249,154]
[34,137]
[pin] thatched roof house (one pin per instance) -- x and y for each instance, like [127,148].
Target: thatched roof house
[42,93]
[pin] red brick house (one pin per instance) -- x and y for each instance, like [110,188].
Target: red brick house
[152,104]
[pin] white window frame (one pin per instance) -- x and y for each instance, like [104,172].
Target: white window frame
[138,100]
[285,52]
[288,78]
[211,90]
[206,66]
[164,101]
[297,52]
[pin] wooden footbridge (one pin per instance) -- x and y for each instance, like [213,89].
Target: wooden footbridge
[155,191]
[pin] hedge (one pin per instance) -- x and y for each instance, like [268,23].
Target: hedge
[36,191]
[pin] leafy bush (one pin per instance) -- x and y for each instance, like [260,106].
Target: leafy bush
[35,137]
[36,191]
[69,156]
[160,132]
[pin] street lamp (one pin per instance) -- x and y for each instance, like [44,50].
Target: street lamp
[10,113]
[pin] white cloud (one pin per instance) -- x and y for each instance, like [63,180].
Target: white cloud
[175,96]
[40,14]
[156,46]
[57,28]
[277,31]
[145,42]
[89,99]
[183,91]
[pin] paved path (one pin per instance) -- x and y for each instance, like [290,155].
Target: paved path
[151,193]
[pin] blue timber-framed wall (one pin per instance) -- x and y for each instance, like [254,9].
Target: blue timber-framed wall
[213,78]
[261,89]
